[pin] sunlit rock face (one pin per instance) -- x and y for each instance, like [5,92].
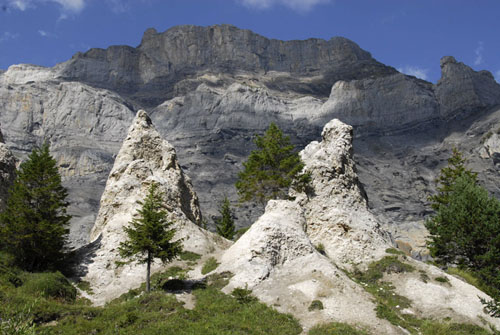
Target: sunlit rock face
[7,171]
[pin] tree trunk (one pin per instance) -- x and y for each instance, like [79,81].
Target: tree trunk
[148,273]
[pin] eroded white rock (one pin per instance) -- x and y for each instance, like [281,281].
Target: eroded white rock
[145,157]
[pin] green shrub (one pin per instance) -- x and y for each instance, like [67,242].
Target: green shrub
[388,264]
[210,265]
[442,279]
[219,280]
[49,285]
[315,305]
[243,295]
[189,256]
[444,328]
[336,328]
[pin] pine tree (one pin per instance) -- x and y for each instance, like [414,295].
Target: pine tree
[33,225]
[271,169]
[225,225]
[465,229]
[448,176]
[150,234]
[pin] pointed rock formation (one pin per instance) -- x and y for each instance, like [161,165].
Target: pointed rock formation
[7,171]
[336,209]
[143,159]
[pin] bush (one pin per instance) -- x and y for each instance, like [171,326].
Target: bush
[316,305]
[49,285]
[243,295]
[189,256]
[210,265]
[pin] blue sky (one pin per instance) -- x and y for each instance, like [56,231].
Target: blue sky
[409,35]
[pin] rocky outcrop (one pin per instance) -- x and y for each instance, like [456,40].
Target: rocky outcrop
[7,171]
[278,262]
[462,91]
[335,208]
[159,67]
[277,258]
[145,157]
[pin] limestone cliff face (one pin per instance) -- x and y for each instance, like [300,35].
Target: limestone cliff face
[462,91]
[7,171]
[382,104]
[83,125]
[153,71]
[145,157]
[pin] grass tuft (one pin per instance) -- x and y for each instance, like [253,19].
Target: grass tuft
[210,265]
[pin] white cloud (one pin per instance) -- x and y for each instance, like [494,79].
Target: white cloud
[20,4]
[297,5]
[479,53]
[67,6]
[414,71]
[43,33]
[497,76]
[7,35]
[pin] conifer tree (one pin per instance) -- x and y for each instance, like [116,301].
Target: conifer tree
[271,169]
[225,225]
[33,225]
[150,234]
[448,176]
[465,229]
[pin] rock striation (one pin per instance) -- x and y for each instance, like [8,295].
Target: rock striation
[145,157]
[7,171]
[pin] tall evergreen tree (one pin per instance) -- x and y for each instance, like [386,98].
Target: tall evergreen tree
[465,229]
[33,225]
[271,169]
[225,225]
[448,176]
[150,234]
